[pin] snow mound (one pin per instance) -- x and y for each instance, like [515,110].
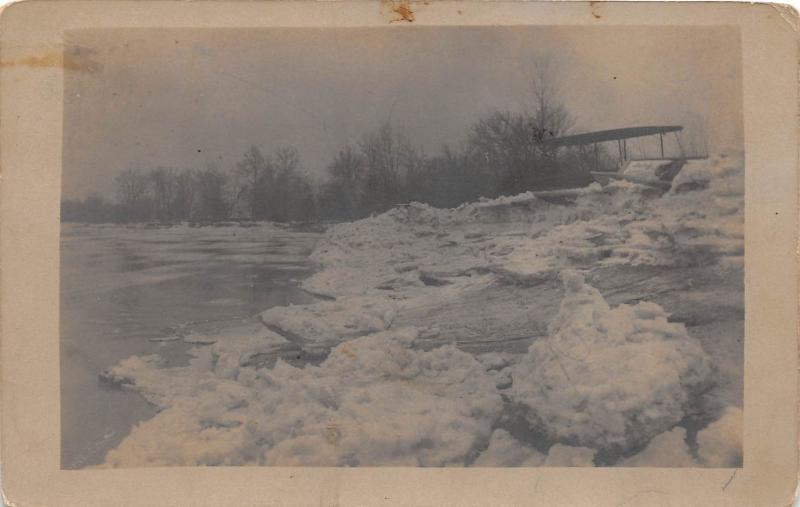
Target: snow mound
[668,449]
[700,221]
[373,401]
[606,382]
[606,378]
[495,361]
[524,238]
[506,451]
[525,207]
[568,456]
[244,346]
[320,326]
[720,444]
[498,366]
[652,171]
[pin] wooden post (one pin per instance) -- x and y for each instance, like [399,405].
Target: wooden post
[596,158]
[619,145]
[661,138]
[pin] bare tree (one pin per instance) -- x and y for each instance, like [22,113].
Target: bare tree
[382,157]
[132,192]
[512,146]
[549,115]
[212,203]
[256,171]
[504,143]
[184,194]
[343,193]
[413,163]
[287,160]
[163,184]
[283,193]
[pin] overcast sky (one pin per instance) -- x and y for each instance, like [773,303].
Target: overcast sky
[182,98]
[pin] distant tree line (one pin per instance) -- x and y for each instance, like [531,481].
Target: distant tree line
[505,153]
[260,188]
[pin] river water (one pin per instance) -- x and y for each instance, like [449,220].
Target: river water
[125,289]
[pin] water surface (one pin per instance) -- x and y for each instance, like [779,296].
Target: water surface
[125,288]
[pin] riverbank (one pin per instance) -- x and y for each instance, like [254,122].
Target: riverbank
[507,332]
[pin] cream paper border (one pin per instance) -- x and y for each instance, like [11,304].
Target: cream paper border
[30,155]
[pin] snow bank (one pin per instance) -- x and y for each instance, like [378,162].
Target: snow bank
[373,401]
[498,366]
[720,444]
[651,170]
[409,247]
[568,456]
[524,207]
[668,449]
[322,325]
[608,378]
[700,221]
[244,346]
[506,451]
[526,239]
[704,209]
[605,380]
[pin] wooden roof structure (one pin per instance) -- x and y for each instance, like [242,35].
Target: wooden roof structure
[601,136]
[618,135]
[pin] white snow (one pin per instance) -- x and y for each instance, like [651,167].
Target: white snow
[645,170]
[569,456]
[323,325]
[602,378]
[374,400]
[506,451]
[527,239]
[668,449]
[608,378]
[242,346]
[720,444]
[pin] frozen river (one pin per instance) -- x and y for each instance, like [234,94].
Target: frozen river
[124,290]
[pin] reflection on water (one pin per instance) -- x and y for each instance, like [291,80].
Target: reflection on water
[122,288]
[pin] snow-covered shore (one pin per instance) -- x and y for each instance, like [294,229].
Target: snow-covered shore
[508,332]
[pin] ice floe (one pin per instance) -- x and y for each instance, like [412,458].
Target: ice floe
[606,378]
[601,381]
[373,401]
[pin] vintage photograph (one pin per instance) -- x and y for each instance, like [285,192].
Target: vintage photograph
[402,245]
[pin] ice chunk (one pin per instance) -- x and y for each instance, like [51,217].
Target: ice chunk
[506,451]
[567,456]
[495,360]
[608,378]
[198,338]
[161,339]
[720,444]
[373,401]
[134,367]
[242,346]
[668,449]
[322,325]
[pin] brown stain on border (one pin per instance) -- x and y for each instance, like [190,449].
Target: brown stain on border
[402,11]
[593,7]
[48,60]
